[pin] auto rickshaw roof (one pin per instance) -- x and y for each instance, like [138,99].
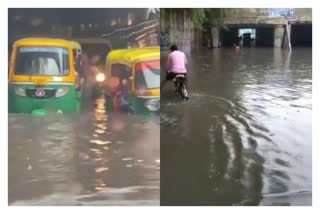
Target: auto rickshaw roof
[47,42]
[134,54]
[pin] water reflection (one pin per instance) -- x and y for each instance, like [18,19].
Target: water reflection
[94,159]
[244,138]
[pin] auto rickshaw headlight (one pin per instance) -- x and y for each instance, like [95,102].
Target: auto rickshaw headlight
[62,91]
[20,91]
[100,77]
[152,104]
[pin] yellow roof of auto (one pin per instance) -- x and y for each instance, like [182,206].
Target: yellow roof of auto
[75,45]
[46,42]
[134,54]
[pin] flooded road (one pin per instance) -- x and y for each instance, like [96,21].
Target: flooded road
[244,137]
[92,159]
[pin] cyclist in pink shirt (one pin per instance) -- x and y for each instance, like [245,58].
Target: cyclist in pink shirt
[177,62]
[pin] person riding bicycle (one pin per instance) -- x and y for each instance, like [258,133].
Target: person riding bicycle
[176,65]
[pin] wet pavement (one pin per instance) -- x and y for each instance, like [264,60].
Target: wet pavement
[244,137]
[92,159]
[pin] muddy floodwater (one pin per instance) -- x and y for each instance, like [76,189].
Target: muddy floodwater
[94,158]
[244,137]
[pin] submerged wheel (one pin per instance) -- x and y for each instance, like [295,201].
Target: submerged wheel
[184,92]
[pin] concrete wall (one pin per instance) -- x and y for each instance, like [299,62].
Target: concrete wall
[176,28]
[302,15]
[264,16]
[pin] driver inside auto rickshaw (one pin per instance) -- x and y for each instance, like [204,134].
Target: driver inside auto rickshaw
[120,87]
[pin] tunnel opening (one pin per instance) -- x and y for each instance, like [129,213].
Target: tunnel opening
[301,35]
[264,37]
[229,37]
[248,36]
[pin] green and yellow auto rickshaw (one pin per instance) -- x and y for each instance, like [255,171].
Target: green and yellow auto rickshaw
[134,80]
[44,76]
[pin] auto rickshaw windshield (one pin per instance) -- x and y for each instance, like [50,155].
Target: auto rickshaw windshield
[147,75]
[42,61]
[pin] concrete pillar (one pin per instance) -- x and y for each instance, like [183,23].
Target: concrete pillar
[278,35]
[215,37]
[289,35]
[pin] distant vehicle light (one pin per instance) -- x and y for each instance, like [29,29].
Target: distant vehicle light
[100,77]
